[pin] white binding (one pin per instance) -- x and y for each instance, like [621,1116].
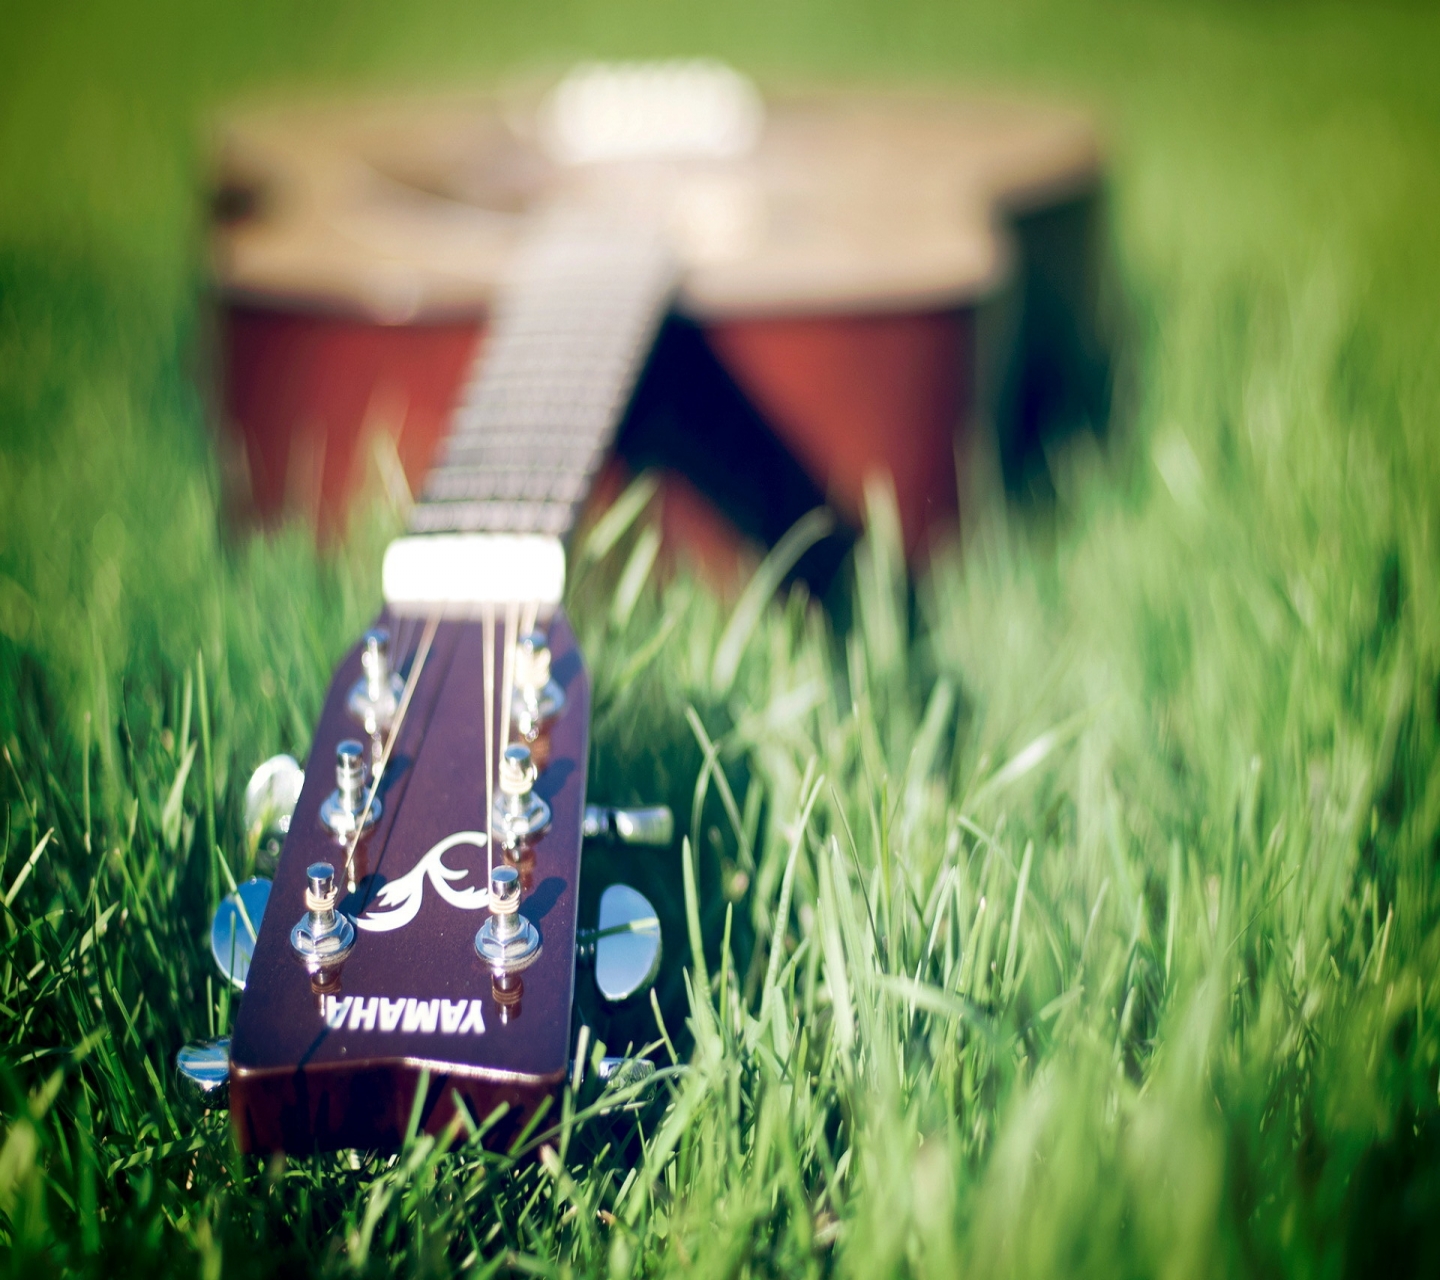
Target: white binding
[457,573]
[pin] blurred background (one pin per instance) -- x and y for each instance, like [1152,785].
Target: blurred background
[1256,161]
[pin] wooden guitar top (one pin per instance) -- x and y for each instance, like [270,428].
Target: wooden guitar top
[408,210]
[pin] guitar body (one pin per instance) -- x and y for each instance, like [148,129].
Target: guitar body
[844,396]
[314,1064]
[841,305]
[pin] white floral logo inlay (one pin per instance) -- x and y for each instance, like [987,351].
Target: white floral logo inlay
[399,900]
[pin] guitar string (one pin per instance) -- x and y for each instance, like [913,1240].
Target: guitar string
[405,635]
[516,613]
[519,620]
[487,662]
[432,624]
[527,623]
[507,697]
[598,290]
[635,276]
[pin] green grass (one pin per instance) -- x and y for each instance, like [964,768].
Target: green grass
[1078,916]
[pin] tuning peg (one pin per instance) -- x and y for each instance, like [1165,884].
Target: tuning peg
[270,799]
[622,1073]
[344,807]
[624,945]
[538,698]
[519,813]
[654,827]
[507,941]
[236,926]
[323,936]
[204,1067]
[375,697]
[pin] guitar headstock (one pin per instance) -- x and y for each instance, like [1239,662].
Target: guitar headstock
[422,922]
[359,984]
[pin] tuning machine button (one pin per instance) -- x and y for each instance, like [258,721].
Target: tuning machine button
[621,1073]
[624,945]
[235,927]
[507,941]
[270,799]
[636,1074]
[344,806]
[616,1074]
[520,815]
[204,1067]
[323,936]
[538,697]
[375,697]
[653,827]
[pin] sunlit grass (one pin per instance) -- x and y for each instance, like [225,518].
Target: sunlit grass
[1073,912]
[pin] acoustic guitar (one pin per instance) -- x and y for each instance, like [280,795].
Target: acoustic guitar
[862,281]
[414,960]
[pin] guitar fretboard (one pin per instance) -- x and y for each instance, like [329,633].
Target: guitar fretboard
[567,337]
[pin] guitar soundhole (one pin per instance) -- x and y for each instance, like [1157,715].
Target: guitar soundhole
[236,201]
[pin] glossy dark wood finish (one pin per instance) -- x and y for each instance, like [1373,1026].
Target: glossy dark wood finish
[298,1084]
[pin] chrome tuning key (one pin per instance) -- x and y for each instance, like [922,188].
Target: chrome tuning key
[270,799]
[621,1073]
[520,815]
[204,1066]
[323,936]
[538,697]
[634,1076]
[624,946]
[350,801]
[235,927]
[375,697]
[653,827]
[507,941]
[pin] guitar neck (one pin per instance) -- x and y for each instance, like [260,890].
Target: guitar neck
[568,334]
